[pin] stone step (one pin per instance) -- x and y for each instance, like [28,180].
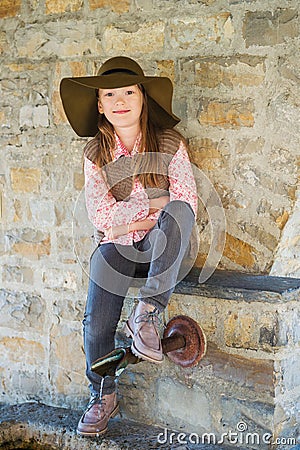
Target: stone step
[45,427]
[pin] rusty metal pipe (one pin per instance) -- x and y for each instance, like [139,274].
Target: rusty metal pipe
[172,343]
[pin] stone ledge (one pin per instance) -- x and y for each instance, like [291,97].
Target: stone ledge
[53,428]
[233,285]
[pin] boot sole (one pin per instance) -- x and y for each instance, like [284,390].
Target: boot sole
[99,433]
[129,333]
[141,355]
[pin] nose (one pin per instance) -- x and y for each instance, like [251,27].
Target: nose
[119,99]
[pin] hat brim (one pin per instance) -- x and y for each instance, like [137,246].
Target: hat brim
[80,102]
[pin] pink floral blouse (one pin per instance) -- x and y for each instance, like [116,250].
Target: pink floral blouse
[104,211]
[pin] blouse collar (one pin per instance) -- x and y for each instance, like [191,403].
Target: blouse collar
[121,149]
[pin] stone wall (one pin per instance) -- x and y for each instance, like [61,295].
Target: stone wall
[236,72]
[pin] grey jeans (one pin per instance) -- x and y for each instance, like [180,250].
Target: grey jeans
[112,267]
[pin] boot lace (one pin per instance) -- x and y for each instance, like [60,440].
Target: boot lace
[149,317]
[98,399]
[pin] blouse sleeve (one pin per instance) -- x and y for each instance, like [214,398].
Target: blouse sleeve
[181,178]
[103,209]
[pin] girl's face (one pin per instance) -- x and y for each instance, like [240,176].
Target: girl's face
[121,106]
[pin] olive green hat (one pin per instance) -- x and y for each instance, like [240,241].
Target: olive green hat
[80,102]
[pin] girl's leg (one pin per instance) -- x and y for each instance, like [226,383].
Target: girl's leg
[167,243]
[110,277]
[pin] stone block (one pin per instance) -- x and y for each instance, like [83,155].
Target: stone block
[239,252]
[58,279]
[26,386]
[25,180]
[62,6]
[189,34]
[262,328]
[3,42]
[227,114]
[22,311]
[22,352]
[241,372]
[208,154]
[72,40]
[248,423]
[268,28]
[124,39]
[67,361]
[40,116]
[235,71]
[166,68]
[30,243]
[289,371]
[78,181]
[260,234]
[182,414]
[59,115]
[17,274]
[114,5]
[9,8]
[42,212]
[240,331]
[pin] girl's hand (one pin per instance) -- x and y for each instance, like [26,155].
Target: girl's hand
[117,231]
[158,203]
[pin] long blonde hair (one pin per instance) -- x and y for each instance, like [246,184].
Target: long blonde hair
[146,168]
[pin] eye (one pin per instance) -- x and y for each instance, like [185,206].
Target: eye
[130,92]
[108,94]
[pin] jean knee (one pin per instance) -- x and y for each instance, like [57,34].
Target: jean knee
[179,208]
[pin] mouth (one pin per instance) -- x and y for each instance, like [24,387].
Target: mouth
[121,111]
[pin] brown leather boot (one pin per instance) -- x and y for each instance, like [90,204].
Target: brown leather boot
[142,327]
[94,420]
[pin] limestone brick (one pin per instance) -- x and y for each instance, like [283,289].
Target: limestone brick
[32,250]
[239,252]
[278,26]
[21,351]
[59,115]
[188,34]
[61,6]
[58,279]
[78,181]
[206,153]
[13,274]
[182,413]
[231,72]
[67,368]
[227,114]
[3,42]
[25,180]
[145,39]
[239,331]
[114,5]
[282,220]
[42,212]
[22,311]
[9,8]
[73,40]
[166,68]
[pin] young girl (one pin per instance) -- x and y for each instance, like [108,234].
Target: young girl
[141,197]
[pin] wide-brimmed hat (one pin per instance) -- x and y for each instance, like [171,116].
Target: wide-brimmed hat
[80,101]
